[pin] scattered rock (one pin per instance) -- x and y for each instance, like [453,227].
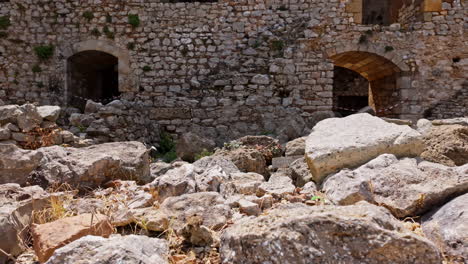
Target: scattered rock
[463,121]
[190,144]
[207,163]
[9,114]
[297,233]
[196,233]
[16,163]
[248,207]
[51,236]
[407,187]
[210,206]
[338,143]
[48,112]
[447,145]
[247,160]
[90,167]
[210,180]
[175,182]
[16,207]
[158,169]
[242,183]
[278,186]
[116,249]
[151,219]
[29,118]
[300,172]
[447,227]
[92,107]
[296,147]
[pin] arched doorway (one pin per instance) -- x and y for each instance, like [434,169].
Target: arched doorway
[358,71]
[92,53]
[92,75]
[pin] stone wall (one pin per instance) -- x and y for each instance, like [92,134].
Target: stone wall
[231,68]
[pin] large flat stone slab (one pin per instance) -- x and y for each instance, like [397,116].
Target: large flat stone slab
[301,234]
[338,143]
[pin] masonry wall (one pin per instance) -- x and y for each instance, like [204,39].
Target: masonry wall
[229,68]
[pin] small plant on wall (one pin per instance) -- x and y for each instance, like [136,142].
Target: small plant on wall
[4,22]
[389,49]
[36,69]
[134,20]
[44,52]
[88,15]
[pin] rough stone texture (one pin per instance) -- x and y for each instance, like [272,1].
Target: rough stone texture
[300,172]
[231,78]
[278,186]
[207,163]
[190,144]
[50,113]
[51,236]
[175,182]
[16,207]
[296,233]
[115,249]
[407,187]
[210,206]
[93,166]
[242,183]
[29,118]
[246,159]
[16,163]
[447,145]
[447,227]
[296,147]
[338,143]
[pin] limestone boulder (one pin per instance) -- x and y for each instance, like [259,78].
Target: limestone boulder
[338,143]
[49,112]
[463,121]
[175,182]
[246,159]
[242,183]
[407,186]
[51,236]
[16,163]
[278,186]
[16,207]
[90,167]
[210,206]
[296,147]
[189,145]
[158,169]
[301,234]
[9,114]
[447,227]
[112,250]
[300,172]
[268,146]
[5,133]
[447,145]
[29,118]
[207,163]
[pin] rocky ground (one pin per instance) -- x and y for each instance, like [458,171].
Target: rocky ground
[358,189]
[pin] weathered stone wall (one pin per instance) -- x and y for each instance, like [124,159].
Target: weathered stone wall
[230,68]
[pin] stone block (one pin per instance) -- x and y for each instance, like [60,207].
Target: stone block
[432,6]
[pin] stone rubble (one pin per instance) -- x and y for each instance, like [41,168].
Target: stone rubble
[217,210]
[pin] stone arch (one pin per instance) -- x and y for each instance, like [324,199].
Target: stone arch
[126,79]
[387,74]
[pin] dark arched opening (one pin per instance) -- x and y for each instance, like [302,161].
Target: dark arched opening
[92,75]
[365,79]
